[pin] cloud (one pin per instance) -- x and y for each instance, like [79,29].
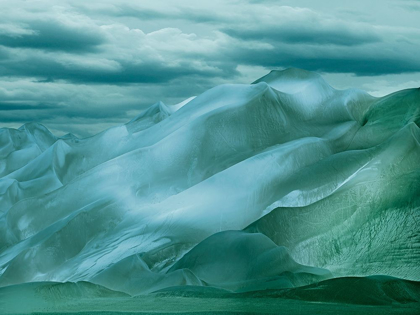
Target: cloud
[81,66]
[300,25]
[139,11]
[53,35]
[79,48]
[86,109]
[373,61]
[103,71]
[19,105]
[410,5]
[302,38]
[127,56]
[55,29]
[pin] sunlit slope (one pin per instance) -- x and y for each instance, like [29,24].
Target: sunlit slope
[329,179]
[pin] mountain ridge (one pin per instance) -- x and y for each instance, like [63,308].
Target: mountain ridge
[327,174]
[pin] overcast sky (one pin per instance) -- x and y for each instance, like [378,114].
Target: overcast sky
[82,66]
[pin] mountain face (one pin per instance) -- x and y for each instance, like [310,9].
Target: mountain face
[277,184]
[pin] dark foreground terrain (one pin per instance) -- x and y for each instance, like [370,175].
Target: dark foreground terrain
[371,295]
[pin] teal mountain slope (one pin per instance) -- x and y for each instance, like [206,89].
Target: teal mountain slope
[274,185]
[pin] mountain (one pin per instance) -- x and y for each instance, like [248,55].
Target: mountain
[278,184]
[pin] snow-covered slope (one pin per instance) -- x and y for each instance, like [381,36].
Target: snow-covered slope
[323,183]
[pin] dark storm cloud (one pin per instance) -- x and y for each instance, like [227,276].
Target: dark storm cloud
[52,35]
[24,105]
[170,13]
[27,113]
[299,25]
[303,38]
[128,56]
[332,35]
[82,66]
[321,60]
[358,66]
[49,70]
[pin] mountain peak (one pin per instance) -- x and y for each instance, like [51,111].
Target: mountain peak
[293,80]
